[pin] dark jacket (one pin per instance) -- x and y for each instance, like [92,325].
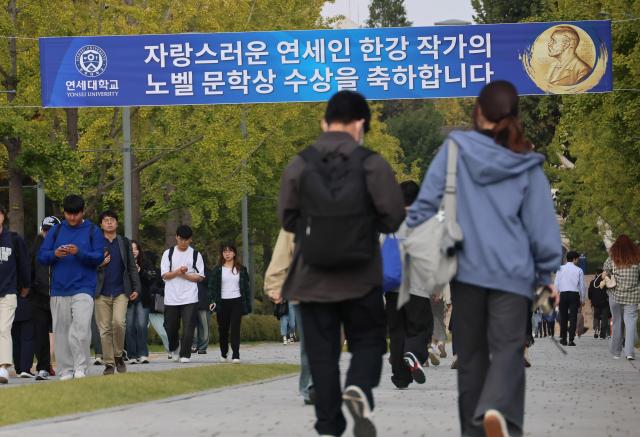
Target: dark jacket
[130,277]
[203,291]
[215,288]
[598,297]
[15,271]
[149,277]
[40,292]
[73,274]
[306,283]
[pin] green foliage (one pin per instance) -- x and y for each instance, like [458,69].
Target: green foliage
[387,13]
[600,134]
[420,133]
[504,11]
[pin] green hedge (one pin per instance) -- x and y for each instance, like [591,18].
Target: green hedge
[254,327]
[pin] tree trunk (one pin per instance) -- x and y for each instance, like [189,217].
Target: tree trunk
[72,127]
[170,228]
[16,200]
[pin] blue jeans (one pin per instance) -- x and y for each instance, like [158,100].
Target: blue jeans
[305,371]
[288,322]
[137,330]
[201,335]
[157,321]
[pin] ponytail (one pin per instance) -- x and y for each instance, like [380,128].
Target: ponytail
[509,133]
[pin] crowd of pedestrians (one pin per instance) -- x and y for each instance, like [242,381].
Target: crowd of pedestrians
[344,217]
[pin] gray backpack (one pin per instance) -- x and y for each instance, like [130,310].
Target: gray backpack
[429,250]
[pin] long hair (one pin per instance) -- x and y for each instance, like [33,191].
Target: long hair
[624,253]
[498,102]
[236,264]
[140,256]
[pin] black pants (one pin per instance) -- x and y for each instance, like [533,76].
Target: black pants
[229,319]
[365,329]
[22,338]
[603,314]
[569,304]
[410,330]
[551,327]
[489,338]
[42,326]
[173,314]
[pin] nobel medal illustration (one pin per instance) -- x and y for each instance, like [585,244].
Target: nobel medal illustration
[565,60]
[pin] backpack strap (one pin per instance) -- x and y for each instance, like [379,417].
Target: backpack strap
[171,249]
[195,261]
[56,232]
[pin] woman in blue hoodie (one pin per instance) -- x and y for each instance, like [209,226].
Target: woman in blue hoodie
[511,245]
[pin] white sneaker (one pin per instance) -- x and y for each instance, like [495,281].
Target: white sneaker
[133,361]
[143,360]
[78,374]
[4,375]
[358,405]
[66,377]
[42,375]
[236,361]
[224,359]
[630,357]
[175,355]
[284,339]
[185,360]
[26,375]
[97,361]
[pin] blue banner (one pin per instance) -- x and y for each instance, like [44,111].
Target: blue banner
[311,65]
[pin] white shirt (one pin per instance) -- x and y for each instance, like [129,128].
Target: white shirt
[570,277]
[180,291]
[230,283]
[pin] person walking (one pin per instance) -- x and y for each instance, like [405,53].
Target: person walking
[600,303]
[230,297]
[118,283]
[274,278]
[570,284]
[511,244]
[40,299]
[15,278]
[336,196]
[137,319]
[181,268]
[74,249]
[203,317]
[410,327]
[623,266]
[156,310]
[287,318]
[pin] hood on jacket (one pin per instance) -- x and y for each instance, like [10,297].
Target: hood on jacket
[487,162]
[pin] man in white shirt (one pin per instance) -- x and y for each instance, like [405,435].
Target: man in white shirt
[182,268]
[570,284]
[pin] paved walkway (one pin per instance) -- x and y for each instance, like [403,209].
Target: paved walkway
[585,393]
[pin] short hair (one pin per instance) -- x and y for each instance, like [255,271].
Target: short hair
[572,255]
[346,107]
[569,33]
[184,232]
[107,213]
[73,204]
[410,192]
[3,210]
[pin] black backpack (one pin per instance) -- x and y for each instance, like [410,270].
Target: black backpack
[195,259]
[337,224]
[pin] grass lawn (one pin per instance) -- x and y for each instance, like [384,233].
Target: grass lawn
[39,401]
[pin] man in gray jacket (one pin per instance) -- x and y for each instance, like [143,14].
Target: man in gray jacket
[118,282]
[349,294]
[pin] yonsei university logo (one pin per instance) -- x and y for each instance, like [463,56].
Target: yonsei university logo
[91,61]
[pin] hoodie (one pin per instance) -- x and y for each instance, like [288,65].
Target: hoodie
[14,263]
[504,208]
[73,274]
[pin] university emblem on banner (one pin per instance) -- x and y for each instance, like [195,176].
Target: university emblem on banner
[564,59]
[91,61]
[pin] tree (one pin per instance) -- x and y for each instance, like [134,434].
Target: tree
[387,13]
[504,11]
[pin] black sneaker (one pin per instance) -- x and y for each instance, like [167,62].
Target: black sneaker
[202,352]
[312,394]
[417,372]
[571,343]
[121,367]
[108,370]
[358,405]
[400,384]
[563,342]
